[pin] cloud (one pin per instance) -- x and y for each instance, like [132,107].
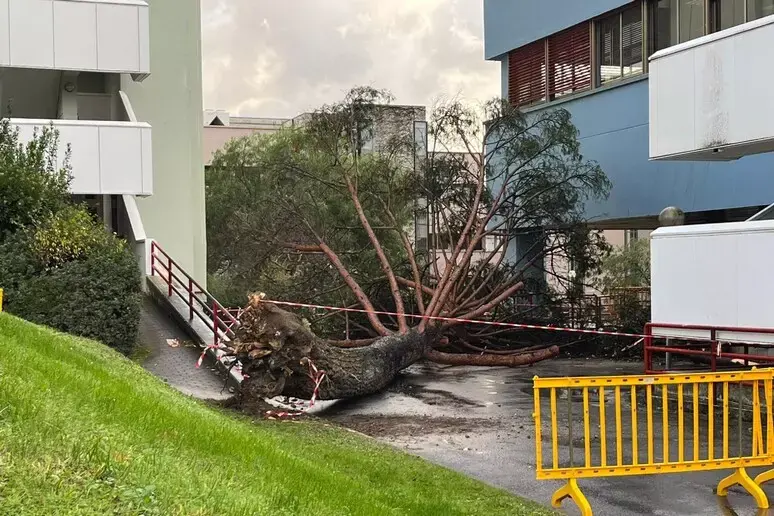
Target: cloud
[274,58]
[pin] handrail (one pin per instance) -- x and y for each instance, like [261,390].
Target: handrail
[707,341]
[208,310]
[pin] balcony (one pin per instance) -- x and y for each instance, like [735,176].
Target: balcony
[110,158]
[710,98]
[109,36]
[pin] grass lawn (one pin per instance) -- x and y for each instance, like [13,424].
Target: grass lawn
[84,431]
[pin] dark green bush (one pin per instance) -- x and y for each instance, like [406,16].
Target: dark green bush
[58,265]
[32,188]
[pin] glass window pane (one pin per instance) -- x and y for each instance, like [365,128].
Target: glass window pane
[730,13]
[663,25]
[759,8]
[609,48]
[631,40]
[691,19]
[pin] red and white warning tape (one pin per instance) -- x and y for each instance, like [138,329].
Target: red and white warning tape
[460,320]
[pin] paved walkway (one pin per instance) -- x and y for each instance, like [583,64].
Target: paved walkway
[479,422]
[176,363]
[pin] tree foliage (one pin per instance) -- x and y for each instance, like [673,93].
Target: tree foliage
[626,267]
[309,214]
[32,187]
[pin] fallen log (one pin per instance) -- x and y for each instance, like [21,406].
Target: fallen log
[280,354]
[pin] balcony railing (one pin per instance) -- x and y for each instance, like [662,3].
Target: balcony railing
[85,35]
[710,98]
[111,158]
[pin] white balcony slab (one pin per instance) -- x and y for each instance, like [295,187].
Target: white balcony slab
[710,98]
[111,158]
[713,275]
[110,36]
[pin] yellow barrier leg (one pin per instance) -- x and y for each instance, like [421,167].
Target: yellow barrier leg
[742,479]
[766,476]
[572,491]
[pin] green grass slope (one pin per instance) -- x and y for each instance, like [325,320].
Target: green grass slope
[84,431]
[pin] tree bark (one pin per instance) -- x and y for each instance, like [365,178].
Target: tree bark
[492,360]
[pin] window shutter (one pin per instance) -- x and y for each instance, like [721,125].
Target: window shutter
[569,61]
[527,74]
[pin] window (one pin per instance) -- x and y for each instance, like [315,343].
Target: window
[569,61]
[725,14]
[630,236]
[620,44]
[759,8]
[527,74]
[663,27]
[691,17]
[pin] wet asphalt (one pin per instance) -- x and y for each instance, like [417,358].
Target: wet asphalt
[498,445]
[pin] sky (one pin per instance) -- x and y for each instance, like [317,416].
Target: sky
[279,58]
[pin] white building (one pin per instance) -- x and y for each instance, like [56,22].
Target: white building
[121,81]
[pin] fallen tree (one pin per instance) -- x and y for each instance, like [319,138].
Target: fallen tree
[279,354]
[310,210]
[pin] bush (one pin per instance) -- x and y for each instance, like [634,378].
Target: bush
[32,188]
[94,293]
[58,265]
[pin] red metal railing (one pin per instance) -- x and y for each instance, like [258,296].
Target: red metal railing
[201,304]
[710,347]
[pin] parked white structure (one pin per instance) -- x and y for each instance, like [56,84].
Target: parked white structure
[87,68]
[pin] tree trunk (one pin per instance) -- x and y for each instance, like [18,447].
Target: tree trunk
[281,356]
[274,345]
[482,359]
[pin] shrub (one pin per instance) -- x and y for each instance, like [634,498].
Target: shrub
[72,275]
[32,188]
[68,235]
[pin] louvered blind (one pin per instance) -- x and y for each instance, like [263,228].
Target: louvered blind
[569,61]
[527,74]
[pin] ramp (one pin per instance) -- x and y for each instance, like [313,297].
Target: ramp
[173,355]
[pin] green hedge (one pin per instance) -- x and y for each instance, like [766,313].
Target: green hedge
[96,295]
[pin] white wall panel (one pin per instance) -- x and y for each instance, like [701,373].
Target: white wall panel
[31,32]
[87,35]
[5,27]
[75,41]
[710,98]
[107,157]
[118,37]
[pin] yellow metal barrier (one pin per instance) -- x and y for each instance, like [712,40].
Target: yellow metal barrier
[624,441]
[1,300]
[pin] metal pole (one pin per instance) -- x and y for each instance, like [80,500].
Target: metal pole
[169,275]
[569,425]
[215,323]
[190,299]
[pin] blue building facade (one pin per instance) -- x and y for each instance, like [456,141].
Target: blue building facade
[590,57]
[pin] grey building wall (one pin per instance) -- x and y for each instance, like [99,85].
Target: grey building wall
[171,101]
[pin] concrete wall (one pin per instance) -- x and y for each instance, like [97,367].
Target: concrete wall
[171,101]
[510,24]
[613,125]
[216,137]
